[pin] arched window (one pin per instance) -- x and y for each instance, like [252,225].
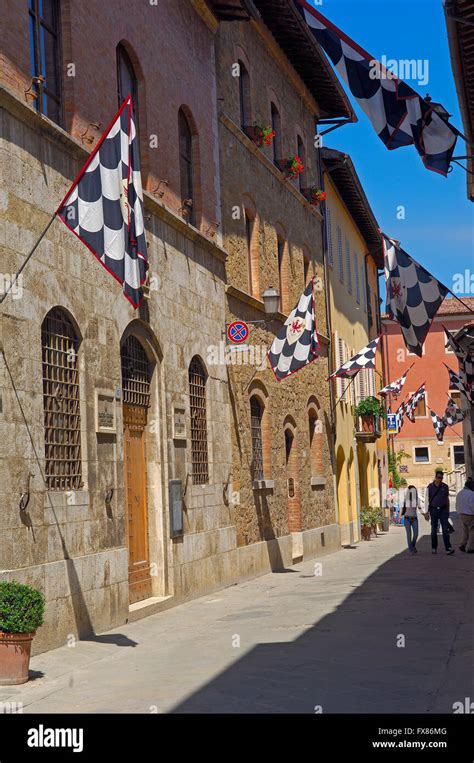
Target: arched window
[136,373]
[186,166]
[197,404]
[276,126]
[126,80]
[256,417]
[62,418]
[315,443]
[301,151]
[244,97]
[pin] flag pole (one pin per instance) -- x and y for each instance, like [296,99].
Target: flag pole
[19,272]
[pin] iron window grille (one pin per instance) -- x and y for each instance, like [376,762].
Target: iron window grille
[197,395]
[45,57]
[62,419]
[136,374]
[256,415]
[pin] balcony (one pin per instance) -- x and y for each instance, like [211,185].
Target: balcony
[367,428]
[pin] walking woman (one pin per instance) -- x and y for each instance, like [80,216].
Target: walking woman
[410,508]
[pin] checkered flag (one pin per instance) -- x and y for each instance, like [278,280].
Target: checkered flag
[104,206]
[364,359]
[413,295]
[400,414]
[297,344]
[466,365]
[439,425]
[413,402]
[399,115]
[394,388]
[455,382]
[453,414]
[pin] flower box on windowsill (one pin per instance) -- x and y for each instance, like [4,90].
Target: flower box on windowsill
[291,167]
[314,195]
[261,135]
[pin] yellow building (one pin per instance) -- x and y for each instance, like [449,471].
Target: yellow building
[354,254]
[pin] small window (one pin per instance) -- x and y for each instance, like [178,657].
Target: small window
[244,97]
[420,408]
[455,396]
[276,126]
[62,418]
[197,404]
[256,416]
[45,57]
[422,455]
[186,164]
[329,237]
[458,455]
[348,267]
[249,223]
[126,79]
[340,259]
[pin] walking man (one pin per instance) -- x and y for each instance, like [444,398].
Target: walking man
[465,509]
[437,505]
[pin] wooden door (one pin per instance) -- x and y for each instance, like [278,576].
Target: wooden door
[134,421]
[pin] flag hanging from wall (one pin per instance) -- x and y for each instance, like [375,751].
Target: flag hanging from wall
[364,359]
[413,401]
[104,206]
[466,364]
[453,414]
[455,382]
[297,344]
[439,425]
[394,388]
[413,295]
[400,414]
[399,115]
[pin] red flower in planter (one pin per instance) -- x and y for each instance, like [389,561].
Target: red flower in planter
[316,196]
[294,166]
[263,135]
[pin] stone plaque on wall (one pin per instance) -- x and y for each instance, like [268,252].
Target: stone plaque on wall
[179,423]
[105,414]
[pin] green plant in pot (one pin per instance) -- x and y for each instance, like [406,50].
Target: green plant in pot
[21,614]
[369,409]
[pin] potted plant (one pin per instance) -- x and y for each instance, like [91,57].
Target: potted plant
[369,409]
[365,523]
[21,613]
[316,196]
[293,166]
[263,135]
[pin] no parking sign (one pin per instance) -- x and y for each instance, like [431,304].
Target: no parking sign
[237,332]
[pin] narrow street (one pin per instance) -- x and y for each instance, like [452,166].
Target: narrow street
[308,643]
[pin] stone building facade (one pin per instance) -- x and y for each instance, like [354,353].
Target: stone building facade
[269,74]
[102,406]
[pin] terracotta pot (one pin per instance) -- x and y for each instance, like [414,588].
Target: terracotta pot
[367,423]
[15,650]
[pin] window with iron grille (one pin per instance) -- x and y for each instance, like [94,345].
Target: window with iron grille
[136,373]
[256,415]
[62,418]
[197,394]
[45,57]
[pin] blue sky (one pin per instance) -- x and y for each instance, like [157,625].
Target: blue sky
[439,227]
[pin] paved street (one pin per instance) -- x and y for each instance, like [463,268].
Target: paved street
[306,640]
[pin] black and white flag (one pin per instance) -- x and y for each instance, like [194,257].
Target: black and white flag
[399,115]
[466,364]
[394,388]
[104,206]
[413,402]
[363,360]
[413,295]
[297,344]
[453,414]
[439,425]
[455,382]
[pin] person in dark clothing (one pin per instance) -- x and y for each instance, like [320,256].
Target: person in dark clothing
[437,505]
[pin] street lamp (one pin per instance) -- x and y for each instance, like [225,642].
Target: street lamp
[271,300]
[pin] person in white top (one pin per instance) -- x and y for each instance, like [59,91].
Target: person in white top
[465,509]
[410,508]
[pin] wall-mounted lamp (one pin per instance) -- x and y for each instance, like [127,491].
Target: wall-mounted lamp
[271,300]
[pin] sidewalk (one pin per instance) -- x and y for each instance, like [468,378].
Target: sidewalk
[307,641]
